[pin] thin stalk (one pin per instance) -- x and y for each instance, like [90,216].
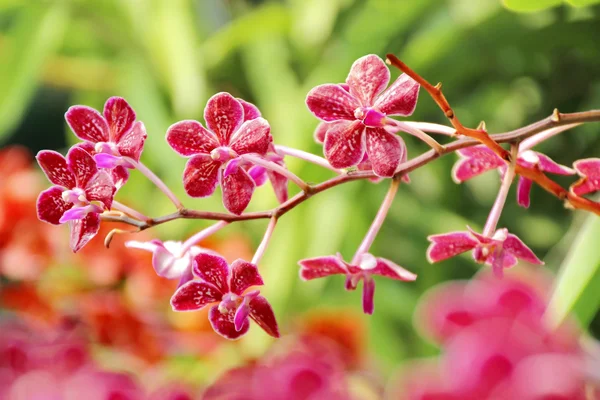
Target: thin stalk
[533,141]
[492,221]
[157,181]
[272,166]
[432,128]
[303,155]
[203,234]
[129,211]
[265,241]
[395,126]
[378,221]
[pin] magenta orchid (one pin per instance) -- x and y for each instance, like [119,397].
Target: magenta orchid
[78,184]
[279,182]
[226,285]
[359,112]
[368,265]
[589,171]
[234,128]
[479,159]
[501,250]
[170,259]
[114,137]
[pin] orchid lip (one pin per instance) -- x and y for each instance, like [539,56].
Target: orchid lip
[75,196]
[106,147]
[222,154]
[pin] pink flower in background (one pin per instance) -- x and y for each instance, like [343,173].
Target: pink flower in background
[479,159]
[111,136]
[319,267]
[358,115]
[169,259]
[234,128]
[226,285]
[589,171]
[496,345]
[78,183]
[501,250]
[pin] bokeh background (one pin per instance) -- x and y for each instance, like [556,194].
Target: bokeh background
[168,57]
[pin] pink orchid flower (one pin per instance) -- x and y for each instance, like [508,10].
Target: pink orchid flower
[501,250]
[109,137]
[589,171]
[479,159]
[226,285]
[78,183]
[234,128]
[369,265]
[169,259]
[279,182]
[359,115]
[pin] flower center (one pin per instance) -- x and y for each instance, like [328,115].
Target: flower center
[106,148]
[75,196]
[230,301]
[370,116]
[222,154]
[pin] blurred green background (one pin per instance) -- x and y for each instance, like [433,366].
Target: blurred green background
[167,57]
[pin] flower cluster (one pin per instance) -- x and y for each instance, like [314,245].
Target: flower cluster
[495,345]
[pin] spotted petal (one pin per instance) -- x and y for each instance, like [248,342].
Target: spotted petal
[345,144]
[120,117]
[391,270]
[243,276]
[224,324]
[400,98]
[523,192]
[131,144]
[212,269]
[223,115]
[280,185]
[262,313]
[101,188]
[320,131]
[547,164]
[368,77]
[385,150]
[190,137]
[51,206]
[82,164]
[319,267]
[516,247]
[475,161]
[83,230]
[56,169]
[201,176]
[250,110]
[194,295]
[589,170]
[237,191]
[331,102]
[254,136]
[449,245]
[87,124]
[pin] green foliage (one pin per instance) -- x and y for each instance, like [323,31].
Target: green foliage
[538,5]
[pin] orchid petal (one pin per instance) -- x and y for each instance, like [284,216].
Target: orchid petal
[516,247]
[101,188]
[523,192]
[56,168]
[194,295]
[331,102]
[76,213]
[280,185]
[368,295]
[400,98]
[201,176]
[321,131]
[449,245]
[243,276]
[190,137]
[250,110]
[105,160]
[87,124]
[253,136]
[368,77]
[391,270]
[212,269]
[262,313]
[120,117]
[385,151]
[547,164]
[83,230]
[589,170]
[223,115]
[345,144]
[119,176]
[319,267]
[51,206]
[82,164]
[257,173]
[224,324]
[475,161]
[498,262]
[241,315]
[131,144]
[237,191]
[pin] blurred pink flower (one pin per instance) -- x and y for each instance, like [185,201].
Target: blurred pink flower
[589,171]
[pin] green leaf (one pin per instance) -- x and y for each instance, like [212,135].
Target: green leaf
[582,3]
[530,5]
[576,289]
[36,34]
